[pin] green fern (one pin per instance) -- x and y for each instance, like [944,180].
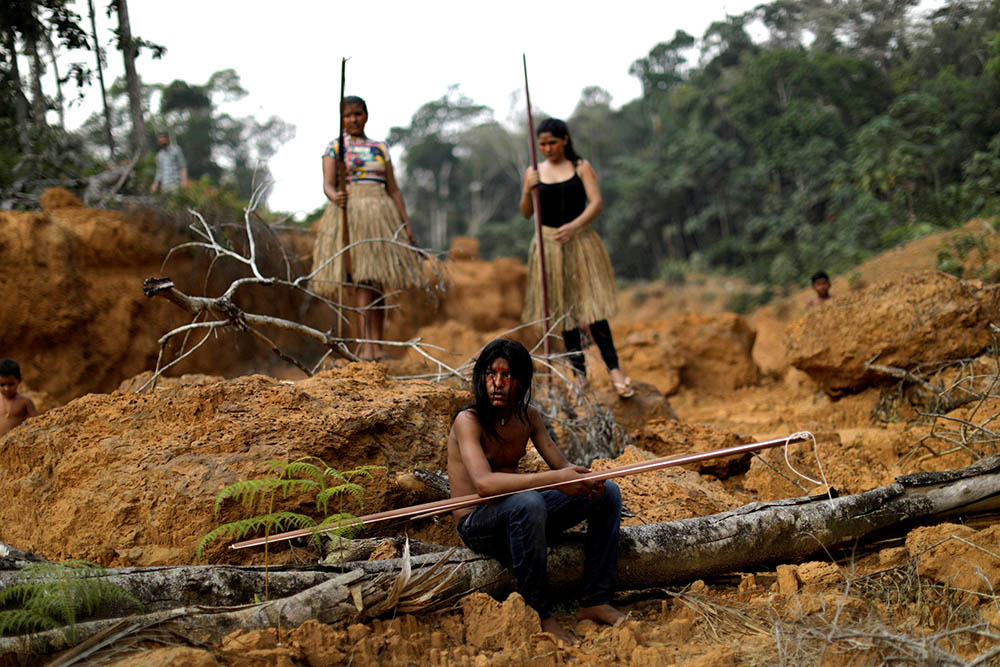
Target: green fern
[347,489]
[347,475]
[300,468]
[305,475]
[250,492]
[276,522]
[52,595]
[347,525]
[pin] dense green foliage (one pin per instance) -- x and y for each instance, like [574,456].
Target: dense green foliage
[53,595]
[224,153]
[221,150]
[852,126]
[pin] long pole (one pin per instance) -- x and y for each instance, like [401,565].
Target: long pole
[461,502]
[341,179]
[535,199]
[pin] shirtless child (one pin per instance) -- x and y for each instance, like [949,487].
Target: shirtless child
[487,440]
[820,285]
[16,407]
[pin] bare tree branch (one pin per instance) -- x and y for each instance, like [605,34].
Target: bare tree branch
[224,312]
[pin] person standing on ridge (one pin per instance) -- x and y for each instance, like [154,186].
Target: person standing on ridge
[581,282]
[375,210]
[171,167]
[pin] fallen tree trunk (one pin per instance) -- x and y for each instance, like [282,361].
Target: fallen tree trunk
[743,539]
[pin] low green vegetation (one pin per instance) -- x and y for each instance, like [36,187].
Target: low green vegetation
[966,255]
[746,301]
[44,596]
[307,477]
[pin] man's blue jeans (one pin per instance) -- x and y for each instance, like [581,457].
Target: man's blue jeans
[516,531]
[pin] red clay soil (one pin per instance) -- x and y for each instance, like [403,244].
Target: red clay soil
[128,479]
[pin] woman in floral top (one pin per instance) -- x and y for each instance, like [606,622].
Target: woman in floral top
[376,258]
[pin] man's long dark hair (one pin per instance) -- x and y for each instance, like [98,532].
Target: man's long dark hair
[521,368]
[558,128]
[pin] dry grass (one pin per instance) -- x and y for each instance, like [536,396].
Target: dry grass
[957,397]
[893,616]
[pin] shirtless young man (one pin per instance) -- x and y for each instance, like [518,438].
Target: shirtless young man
[486,442]
[15,407]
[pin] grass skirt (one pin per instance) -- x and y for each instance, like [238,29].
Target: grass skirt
[371,214]
[581,282]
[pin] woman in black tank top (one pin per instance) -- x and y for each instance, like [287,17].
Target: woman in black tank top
[581,283]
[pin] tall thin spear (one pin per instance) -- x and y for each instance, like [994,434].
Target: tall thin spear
[535,199]
[341,182]
[461,502]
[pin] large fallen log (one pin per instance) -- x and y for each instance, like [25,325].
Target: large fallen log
[744,539]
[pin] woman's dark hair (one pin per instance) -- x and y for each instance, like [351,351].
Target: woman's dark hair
[352,100]
[521,368]
[558,128]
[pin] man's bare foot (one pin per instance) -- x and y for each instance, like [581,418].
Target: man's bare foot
[601,613]
[551,625]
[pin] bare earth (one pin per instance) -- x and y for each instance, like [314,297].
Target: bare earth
[126,479]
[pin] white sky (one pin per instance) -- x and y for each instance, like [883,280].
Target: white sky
[403,54]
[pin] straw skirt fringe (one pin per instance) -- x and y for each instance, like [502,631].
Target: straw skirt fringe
[371,214]
[581,282]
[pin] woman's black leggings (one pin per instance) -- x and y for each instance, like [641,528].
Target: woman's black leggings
[601,333]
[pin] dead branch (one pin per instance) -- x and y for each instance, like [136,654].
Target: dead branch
[212,313]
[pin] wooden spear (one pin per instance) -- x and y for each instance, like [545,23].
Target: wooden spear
[461,502]
[341,183]
[535,198]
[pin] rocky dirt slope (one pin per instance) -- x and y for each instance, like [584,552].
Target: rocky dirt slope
[128,479]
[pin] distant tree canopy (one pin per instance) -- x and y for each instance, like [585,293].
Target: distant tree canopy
[852,126]
[37,35]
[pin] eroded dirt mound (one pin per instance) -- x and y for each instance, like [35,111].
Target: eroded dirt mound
[482,296]
[923,318]
[668,494]
[958,556]
[484,632]
[706,352]
[73,310]
[670,437]
[801,468]
[127,479]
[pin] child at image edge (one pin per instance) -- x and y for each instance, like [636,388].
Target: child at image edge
[16,407]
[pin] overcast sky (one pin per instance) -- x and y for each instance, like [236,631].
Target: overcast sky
[402,54]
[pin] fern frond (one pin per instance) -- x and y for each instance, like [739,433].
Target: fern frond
[53,594]
[245,491]
[303,468]
[251,491]
[15,594]
[90,566]
[343,525]
[362,471]
[336,475]
[275,522]
[346,489]
[22,621]
[293,486]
